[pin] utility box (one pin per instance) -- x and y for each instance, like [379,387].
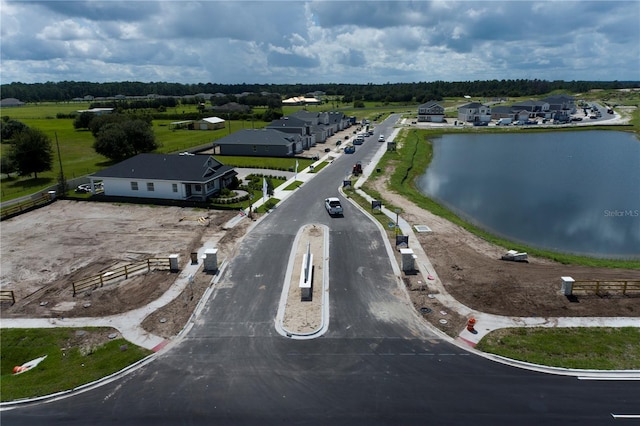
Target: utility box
[210,258]
[567,285]
[408,260]
[173,262]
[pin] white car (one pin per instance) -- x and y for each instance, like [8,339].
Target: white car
[333,206]
[381,138]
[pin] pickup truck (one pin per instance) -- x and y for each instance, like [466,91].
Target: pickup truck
[333,206]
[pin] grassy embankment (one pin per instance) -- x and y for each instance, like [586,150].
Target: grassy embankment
[582,348]
[68,364]
[411,161]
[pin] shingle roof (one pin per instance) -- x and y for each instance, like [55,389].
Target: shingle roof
[265,136]
[183,168]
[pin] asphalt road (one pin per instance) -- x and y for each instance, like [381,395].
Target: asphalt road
[378,364]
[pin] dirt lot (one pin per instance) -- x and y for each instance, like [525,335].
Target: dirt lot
[472,273]
[43,251]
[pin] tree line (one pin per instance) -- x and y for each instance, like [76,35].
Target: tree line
[390,92]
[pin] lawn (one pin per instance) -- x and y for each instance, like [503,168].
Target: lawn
[69,362]
[582,348]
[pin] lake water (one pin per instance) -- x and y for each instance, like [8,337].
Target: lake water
[573,192]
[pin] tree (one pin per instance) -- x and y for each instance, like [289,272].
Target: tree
[32,152]
[7,165]
[83,120]
[118,141]
[9,128]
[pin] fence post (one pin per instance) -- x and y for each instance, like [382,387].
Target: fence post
[126,273]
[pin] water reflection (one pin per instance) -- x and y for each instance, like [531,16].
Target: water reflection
[574,192]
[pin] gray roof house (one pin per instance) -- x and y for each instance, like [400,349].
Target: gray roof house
[431,111]
[296,126]
[473,112]
[265,142]
[532,106]
[501,111]
[561,104]
[173,177]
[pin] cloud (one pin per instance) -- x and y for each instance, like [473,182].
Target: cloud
[319,41]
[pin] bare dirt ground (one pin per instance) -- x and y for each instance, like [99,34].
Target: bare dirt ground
[44,251]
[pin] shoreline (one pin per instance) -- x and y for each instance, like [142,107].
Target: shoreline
[405,186]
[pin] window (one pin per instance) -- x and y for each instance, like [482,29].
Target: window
[198,188]
[175,187]
[255,148]
[150,186]
[134,186]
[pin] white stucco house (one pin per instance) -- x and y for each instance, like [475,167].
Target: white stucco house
[474,112]
[172,177]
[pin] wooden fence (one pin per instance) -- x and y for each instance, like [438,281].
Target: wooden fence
[7,296]
[602,287]
[123,272]
[25,206]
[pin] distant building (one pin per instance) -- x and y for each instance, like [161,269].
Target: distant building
[210,123]
[431,112]
[96,111]
[10,103]
[474,112]
[299,100]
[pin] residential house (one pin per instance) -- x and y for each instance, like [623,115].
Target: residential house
[431,112]
[474,112]
[267,142]
[163,176]
[296,126]
[498,112]
[535,108]
[562,106]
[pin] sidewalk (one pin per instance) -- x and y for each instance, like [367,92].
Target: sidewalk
[129,323]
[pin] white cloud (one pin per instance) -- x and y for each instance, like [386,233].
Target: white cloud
[319,41]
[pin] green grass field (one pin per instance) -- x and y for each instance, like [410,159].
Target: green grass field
[69,363]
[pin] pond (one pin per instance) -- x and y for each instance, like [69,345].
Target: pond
[572,192]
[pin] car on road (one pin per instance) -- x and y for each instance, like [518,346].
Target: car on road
[333,206]
[381,138]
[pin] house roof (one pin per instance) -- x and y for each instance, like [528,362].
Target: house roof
[471,105]
[213,120]
[288,121]
[265,136]
[183,168]
[9,102]
[429,104]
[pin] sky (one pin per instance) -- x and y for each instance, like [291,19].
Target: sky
[338,41]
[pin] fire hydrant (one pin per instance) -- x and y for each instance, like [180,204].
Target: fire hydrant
[470,324]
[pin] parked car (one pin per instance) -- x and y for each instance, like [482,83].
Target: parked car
[333,206]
